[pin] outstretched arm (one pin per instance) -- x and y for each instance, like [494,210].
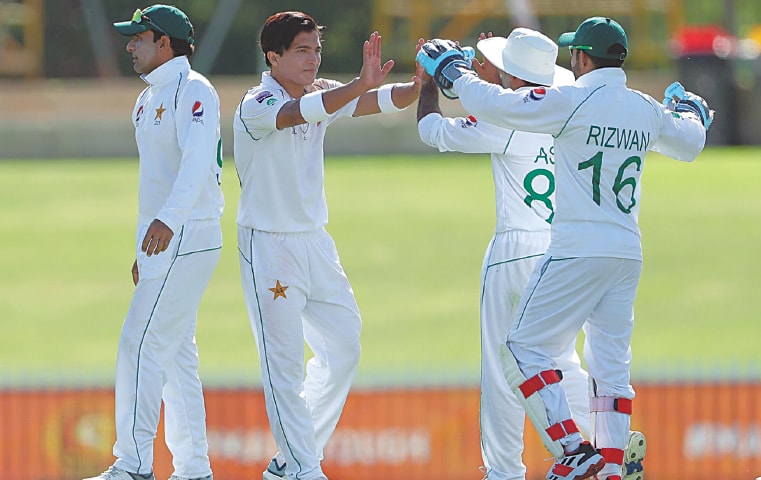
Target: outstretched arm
[458,134]
[402,95]
[686,119]
[429,93]
[371,76]
[317,106]
[429,99]
[390,97]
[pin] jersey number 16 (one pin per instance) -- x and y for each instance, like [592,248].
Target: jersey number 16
[621,182]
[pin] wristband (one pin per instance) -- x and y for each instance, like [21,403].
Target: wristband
[385,103]
[312,108]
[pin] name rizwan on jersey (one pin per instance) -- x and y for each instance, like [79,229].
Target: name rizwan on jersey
[615,137]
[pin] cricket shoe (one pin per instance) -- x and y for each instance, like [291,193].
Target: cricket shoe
[276,468]
[175,477]
[581,464]
[634,453]
[116,473]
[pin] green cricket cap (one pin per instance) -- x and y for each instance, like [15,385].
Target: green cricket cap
[596,36]
[166,19]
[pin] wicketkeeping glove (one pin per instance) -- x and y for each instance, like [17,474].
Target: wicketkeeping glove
[445,61]
[680,100]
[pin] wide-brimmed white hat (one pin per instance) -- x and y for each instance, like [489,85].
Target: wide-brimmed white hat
[525,54]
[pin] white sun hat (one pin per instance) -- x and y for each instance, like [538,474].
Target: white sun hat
[525,54]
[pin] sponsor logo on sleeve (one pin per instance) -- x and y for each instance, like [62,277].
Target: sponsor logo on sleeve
[198,112]
[469,121]
[262,96]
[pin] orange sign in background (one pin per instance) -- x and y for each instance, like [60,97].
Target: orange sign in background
[694,431]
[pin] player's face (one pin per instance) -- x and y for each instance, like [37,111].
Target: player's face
[145,52]
[298,65]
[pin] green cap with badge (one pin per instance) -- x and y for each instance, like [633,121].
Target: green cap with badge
[597,36]
[166,19]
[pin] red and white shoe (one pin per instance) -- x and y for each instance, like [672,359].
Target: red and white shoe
[581,464]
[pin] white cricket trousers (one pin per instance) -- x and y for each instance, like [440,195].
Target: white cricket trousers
[296,291]
[158,359]
[508,263]
[564,295]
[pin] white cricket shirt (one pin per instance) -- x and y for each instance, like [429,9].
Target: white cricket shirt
[281,171]
[520,162]
[523,164]
[602,132]
[177,130]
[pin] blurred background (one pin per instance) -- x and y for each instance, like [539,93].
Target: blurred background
[57,55]
[66,92]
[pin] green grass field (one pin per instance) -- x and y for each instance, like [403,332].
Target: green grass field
[411,232]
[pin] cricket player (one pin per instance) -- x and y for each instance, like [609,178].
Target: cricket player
[293,282]
[588,277]
[179,239]
[523,169]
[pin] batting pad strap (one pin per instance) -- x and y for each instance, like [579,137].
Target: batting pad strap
[534,406]
[539,381]
[562,429]
[613,455]
[312,107]
[385,103]
[611,404]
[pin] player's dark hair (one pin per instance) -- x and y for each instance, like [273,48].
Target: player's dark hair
[281,28]
[615,49]
[179,47]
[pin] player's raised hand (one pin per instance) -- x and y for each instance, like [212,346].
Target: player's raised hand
[372,74]
[681,100]
[419,70]
[445,61]
[486,70]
